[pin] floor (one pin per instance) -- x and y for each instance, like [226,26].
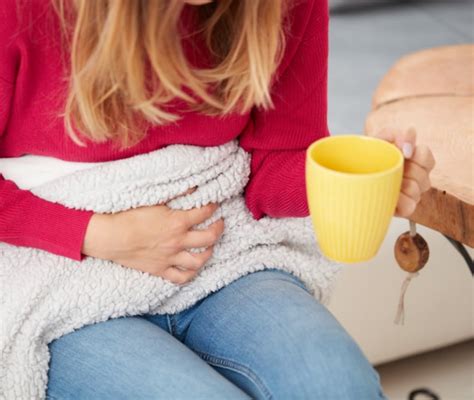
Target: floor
[447,372]
[364,43]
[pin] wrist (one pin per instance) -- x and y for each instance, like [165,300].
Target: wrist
[94,244]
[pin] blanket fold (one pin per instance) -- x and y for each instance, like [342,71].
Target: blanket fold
[44,296]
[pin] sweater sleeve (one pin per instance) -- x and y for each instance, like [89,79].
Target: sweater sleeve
[278,138]
[25,219]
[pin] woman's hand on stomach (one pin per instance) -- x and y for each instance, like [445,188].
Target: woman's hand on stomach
[155,239]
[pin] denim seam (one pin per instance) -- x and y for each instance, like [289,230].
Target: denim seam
[270,314]
[236,367]
[170,324]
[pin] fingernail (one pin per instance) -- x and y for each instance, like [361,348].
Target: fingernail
[407,150]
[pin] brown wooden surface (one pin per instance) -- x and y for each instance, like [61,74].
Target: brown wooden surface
[441,71]
[445,124]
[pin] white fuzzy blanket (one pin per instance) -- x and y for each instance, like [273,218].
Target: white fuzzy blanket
[44,296]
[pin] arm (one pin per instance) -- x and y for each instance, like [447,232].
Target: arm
[278,138]
[27,220]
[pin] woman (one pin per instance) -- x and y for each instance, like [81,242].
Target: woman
[141,75]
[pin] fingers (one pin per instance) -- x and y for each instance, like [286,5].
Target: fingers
[205,237]
[192,261]
[405,206]
[405,141]
[197,215]
[414,183]
[411,188]
[424,157]
[178,276]
[417,173]
[419,161]
[186,266]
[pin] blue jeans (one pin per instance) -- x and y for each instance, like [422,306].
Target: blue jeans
[263,336]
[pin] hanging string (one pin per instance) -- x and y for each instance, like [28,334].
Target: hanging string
[412,228]
[400,315]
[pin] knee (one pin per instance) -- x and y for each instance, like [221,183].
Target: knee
[334,368]
[315,365]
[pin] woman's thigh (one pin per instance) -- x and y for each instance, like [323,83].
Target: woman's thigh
[130,358]
[269,336]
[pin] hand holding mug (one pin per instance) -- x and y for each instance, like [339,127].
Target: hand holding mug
[419,162]
[355,184]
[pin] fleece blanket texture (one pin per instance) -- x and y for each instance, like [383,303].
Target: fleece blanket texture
[44,296]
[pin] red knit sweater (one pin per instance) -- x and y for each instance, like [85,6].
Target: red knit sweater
[32,93]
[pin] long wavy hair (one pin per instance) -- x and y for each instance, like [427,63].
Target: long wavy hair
[127,62]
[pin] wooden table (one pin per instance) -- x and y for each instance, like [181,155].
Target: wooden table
[433,91]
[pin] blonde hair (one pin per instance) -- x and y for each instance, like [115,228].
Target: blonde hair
[127,62]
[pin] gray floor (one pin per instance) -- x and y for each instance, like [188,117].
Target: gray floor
[366,41]
[446,372]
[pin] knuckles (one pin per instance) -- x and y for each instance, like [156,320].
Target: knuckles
[406,207]
[212,235]
[425,157]
[180,280]
[412,189]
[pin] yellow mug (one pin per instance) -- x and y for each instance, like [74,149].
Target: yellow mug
[353,184]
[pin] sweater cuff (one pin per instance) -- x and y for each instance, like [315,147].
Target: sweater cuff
[278,186]
[48,226]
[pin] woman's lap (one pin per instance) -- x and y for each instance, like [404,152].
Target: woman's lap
[130,358]
[274,340]
[263,332]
